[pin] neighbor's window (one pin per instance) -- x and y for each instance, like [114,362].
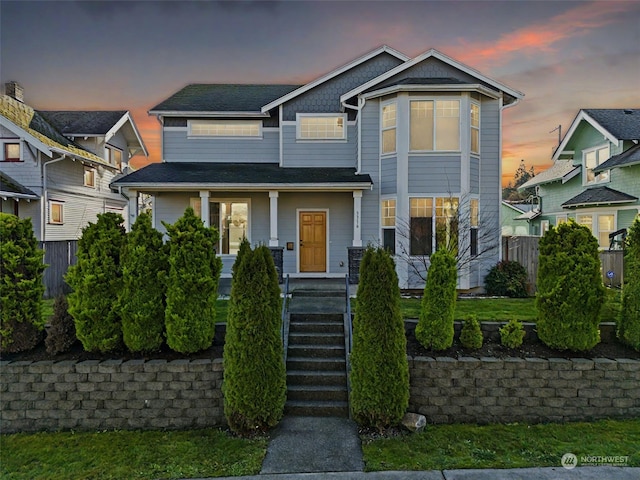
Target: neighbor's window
[592,159]
[55,212]
[600,225]
[473,223]
[434,125]
[11,152]
[321,127]
[421,226]
[388,128]
[225,128]
[89,177]
[389,225]
[475,128]
[560,219]
[115,157]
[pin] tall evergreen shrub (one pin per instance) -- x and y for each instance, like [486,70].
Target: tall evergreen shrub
[21,287]
[96,280]
[141,301]
[192,285]
[379,368]
[570,290]
[435,326]
[254,384]
[61,334]
[629,321]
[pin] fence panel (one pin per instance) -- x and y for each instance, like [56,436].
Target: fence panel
[58,256]
[612,262]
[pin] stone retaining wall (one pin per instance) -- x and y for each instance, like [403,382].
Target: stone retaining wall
[491,390]
[113,394]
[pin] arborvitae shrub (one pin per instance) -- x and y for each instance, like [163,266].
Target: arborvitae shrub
[61,334]
[21,286]
[255,383]
[192,285]
[379,368]
[435,326]
[512,334]
[570,290]
[96,280]
[141,302]
[507,279]
[471,334]
[629,320]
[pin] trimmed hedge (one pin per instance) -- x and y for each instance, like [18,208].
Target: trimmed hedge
[512,334]
[629,321]
[471,334]
[379,367]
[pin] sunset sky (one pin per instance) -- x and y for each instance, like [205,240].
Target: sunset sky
[563,55]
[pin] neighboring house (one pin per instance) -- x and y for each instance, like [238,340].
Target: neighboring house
[512,216]
[384,150]
[56,166]
[595,178]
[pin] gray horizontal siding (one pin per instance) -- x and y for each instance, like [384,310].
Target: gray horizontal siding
[437,175]
[475,175]
[319,154]
[370,161]
[389,175]
[178,148]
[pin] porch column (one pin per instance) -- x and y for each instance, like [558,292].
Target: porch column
[357,215]
[204,207]
[133,209]
[273,218]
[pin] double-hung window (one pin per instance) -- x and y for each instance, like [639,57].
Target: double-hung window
[321,127]
[225,128]
[388,128]
[475,128]
[389,225]
[114,157]
[11,152]
[90,177]
[601,225]
[434,125]
[56,212]
[592,158]
[433,224]
[421,226]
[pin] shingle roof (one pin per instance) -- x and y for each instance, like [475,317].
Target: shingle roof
[96,122]
[627,158]
[423,81]
[599,196]
[11,188]
[176,173]
[560,170]
[223,98]
[623,123]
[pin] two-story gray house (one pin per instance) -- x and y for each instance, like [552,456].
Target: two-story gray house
[385,150]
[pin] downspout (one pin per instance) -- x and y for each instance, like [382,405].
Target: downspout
[45,195]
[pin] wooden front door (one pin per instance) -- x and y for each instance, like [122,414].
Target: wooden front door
[313,241]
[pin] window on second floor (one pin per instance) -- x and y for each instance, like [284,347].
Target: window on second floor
[225,128]
[114,157]
[388,128]
[11,152]
[434,125]
[90,177]
[56,212]
[475,128]
[321,127]
[591,159]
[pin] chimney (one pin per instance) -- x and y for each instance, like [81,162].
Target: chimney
[14,90]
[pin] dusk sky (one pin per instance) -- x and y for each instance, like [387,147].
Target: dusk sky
[563,55]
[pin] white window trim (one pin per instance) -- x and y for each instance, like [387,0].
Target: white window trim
[110,149]
[584,166]
[232,200]
[300,139]
[61,204]
[594,213]
[95,177]
[479,128]
[190,135]
[383,129]
[435,100]
[562,218]
[434,217]
[20,152]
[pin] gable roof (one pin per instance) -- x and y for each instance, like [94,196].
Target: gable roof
[563,170]
[615,124]
[222,98]
[9,188]
[629,157]
[82,122]
[598,196]
[335,73]
[432,53]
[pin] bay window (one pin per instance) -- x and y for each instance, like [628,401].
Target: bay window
[389,225]
[475,128]
[601,225]
[433,224]
[434,125]
[388,133]
[474,221]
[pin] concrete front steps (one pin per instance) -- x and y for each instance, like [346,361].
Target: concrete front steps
[316,366]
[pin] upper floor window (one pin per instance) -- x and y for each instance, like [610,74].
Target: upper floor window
[592,158]
[225,128]
[114,157]
[89,177]
[56,212]
[321,127]
[434,125]
[475,128]
[11,152]
[388,128]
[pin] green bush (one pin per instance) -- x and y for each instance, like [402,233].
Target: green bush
[570,290]
[435,326]
[379,368]
[471,334]
[96,280]
[255,383]
[141,301]
[61,333]
[21,286]
[512,334]
[507,279]
[192,285]
[629,320]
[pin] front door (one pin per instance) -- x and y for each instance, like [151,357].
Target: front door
[313,241]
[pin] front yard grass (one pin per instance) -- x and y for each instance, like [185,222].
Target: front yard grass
[442,447]
[130,455]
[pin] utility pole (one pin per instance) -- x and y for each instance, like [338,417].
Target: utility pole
[559,129]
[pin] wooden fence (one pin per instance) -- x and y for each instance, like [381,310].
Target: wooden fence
[58,256]
[524,250]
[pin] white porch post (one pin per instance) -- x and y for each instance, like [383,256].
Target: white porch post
[357,216]
[273,218]
[133,208]
[204,207]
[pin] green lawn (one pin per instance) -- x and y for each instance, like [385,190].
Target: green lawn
[503,446]
[130,455]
